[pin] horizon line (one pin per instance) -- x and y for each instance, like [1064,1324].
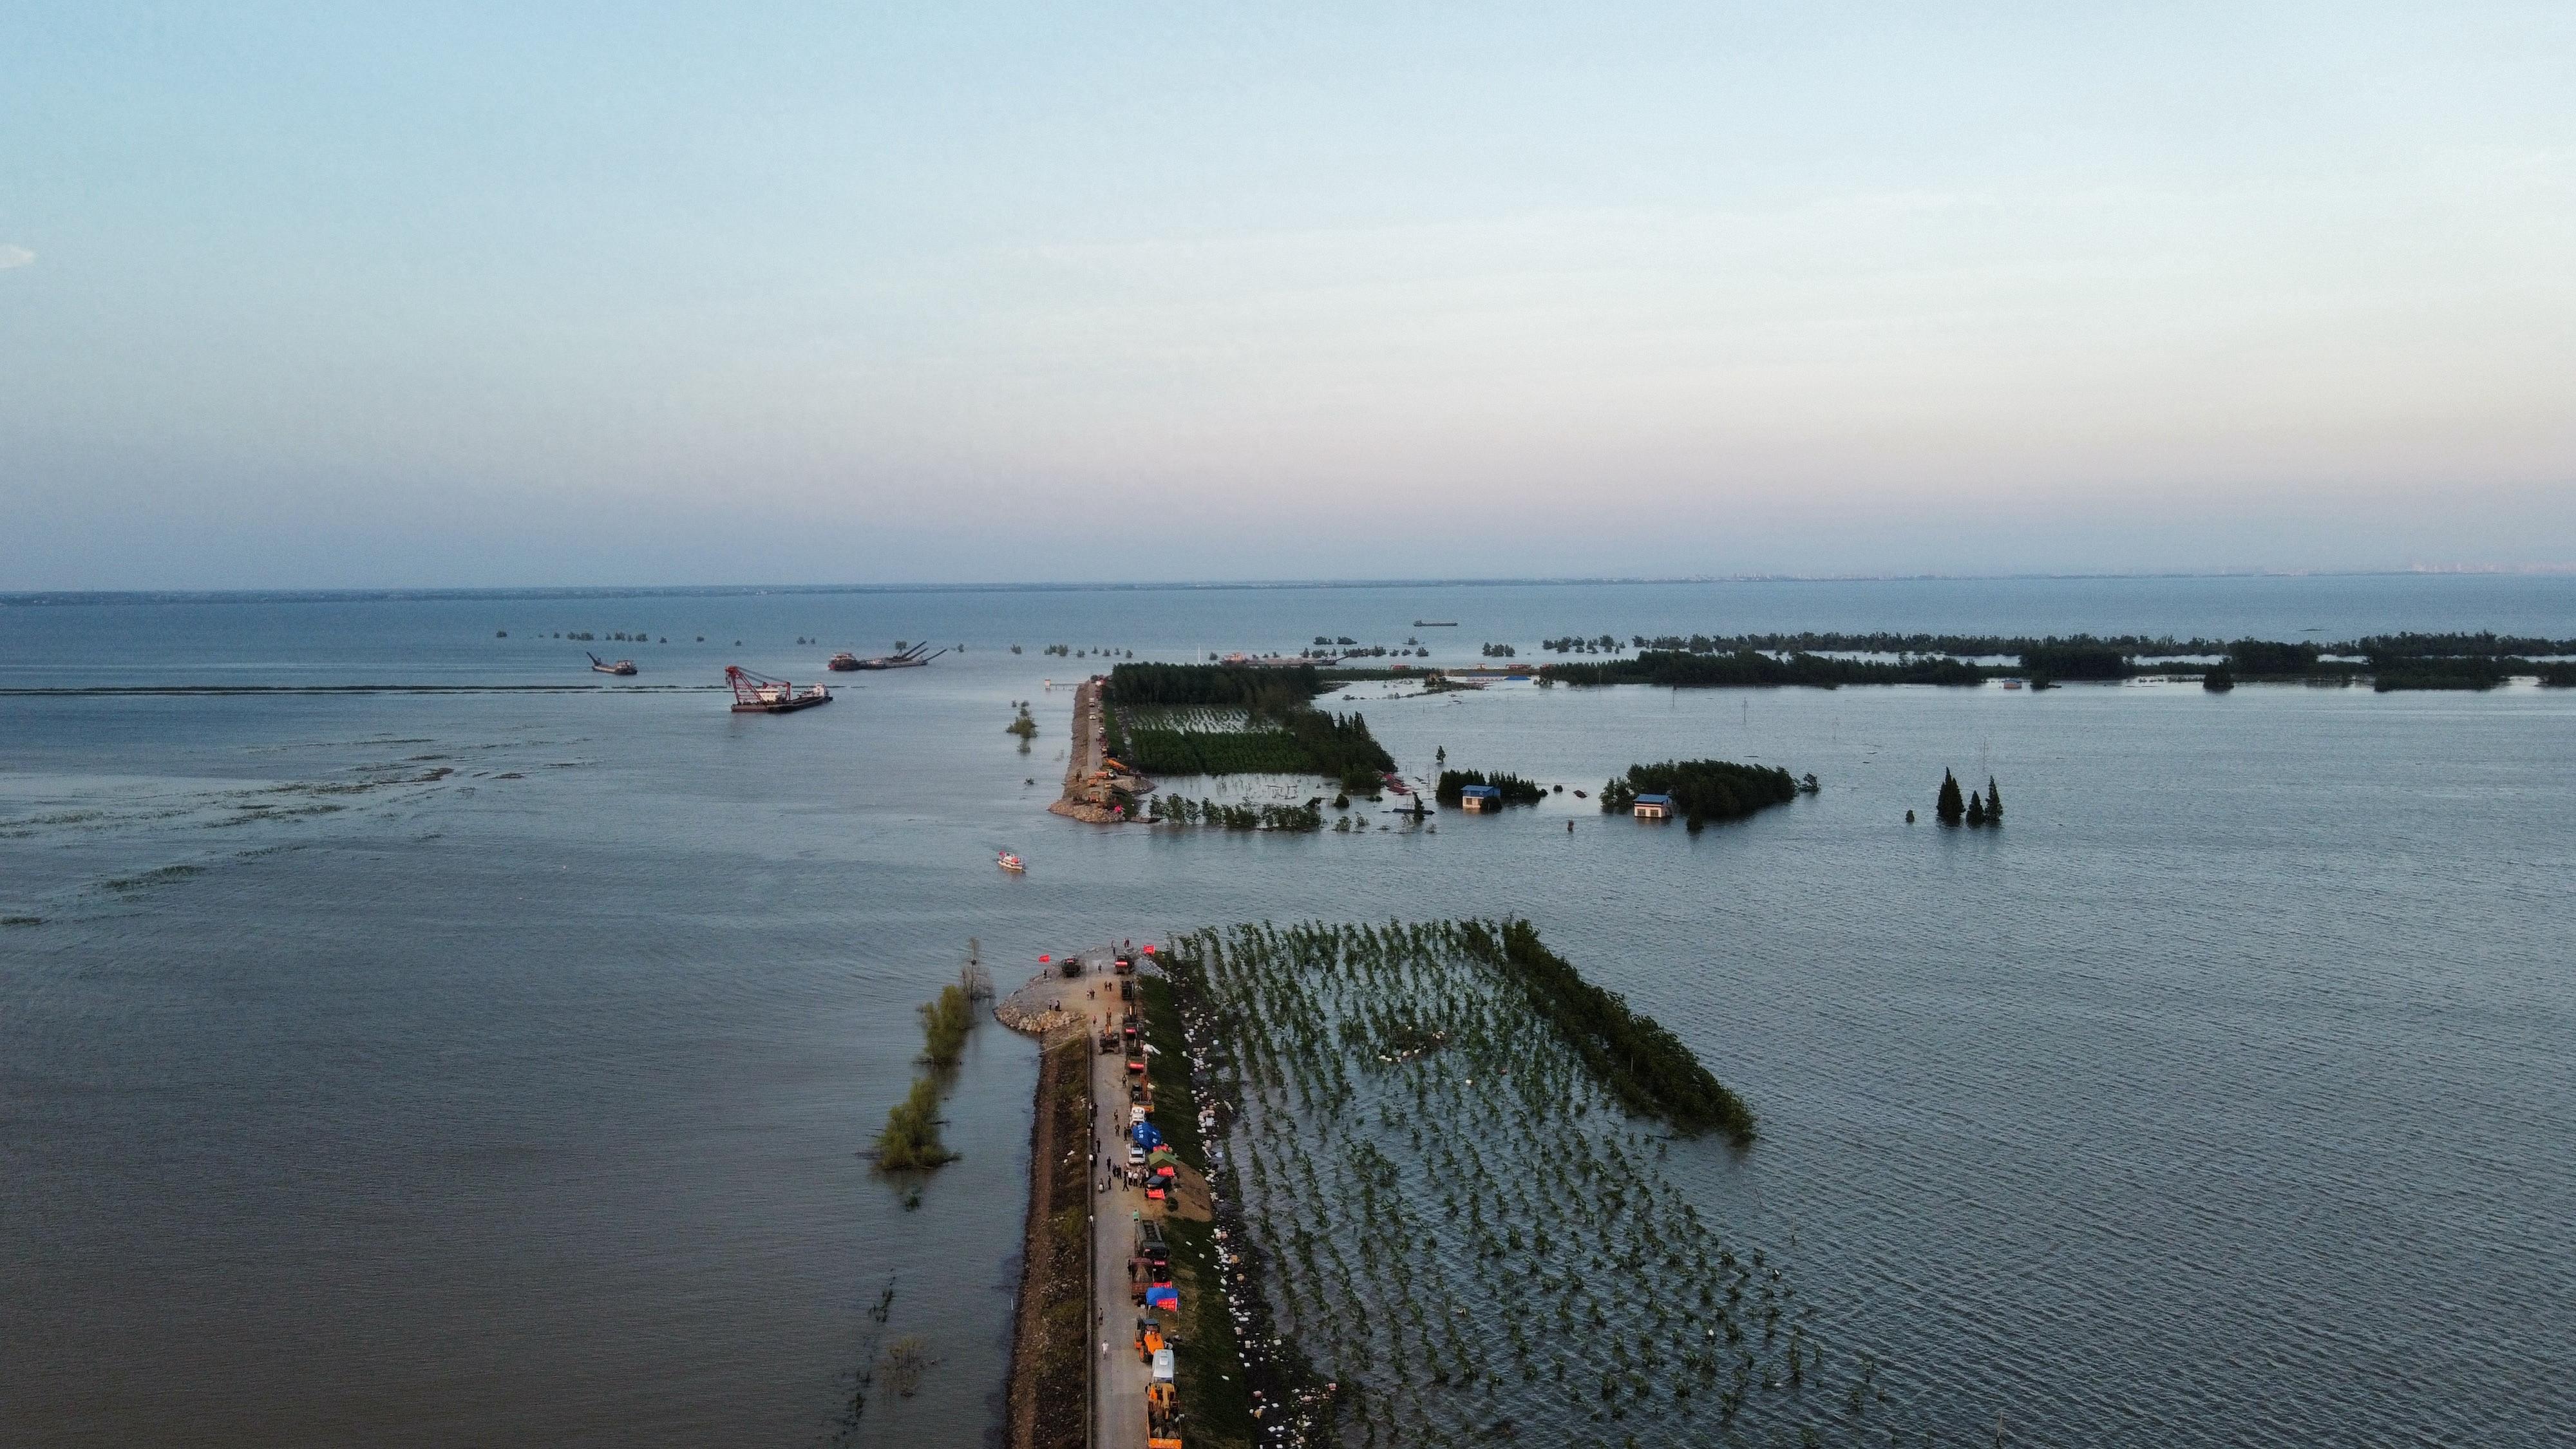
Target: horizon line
[40,597]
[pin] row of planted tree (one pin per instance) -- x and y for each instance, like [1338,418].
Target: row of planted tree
[1452,1151]
[1159,723]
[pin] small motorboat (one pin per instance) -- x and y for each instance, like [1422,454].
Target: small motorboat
[1010,862]
[602,666]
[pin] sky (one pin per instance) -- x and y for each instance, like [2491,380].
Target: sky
[317,296]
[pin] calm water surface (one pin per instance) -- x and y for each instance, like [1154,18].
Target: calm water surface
[2221,1098]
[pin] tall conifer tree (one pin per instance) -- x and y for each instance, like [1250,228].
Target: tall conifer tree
[1994,803]
[1950,806]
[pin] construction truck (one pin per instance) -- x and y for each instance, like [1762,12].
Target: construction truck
[1151,1246]
[1162,1407]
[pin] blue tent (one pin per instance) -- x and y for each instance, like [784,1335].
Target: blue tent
[1145,1136]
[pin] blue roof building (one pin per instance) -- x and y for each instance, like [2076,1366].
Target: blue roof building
[1654,807]
[1480,797]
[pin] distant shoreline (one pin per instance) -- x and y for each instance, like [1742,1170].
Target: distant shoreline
[40,598]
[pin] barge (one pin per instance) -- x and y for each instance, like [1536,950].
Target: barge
[759,694]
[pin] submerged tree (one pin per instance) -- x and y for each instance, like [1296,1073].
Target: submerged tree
[1950,807]
[945,1022]
[1976,809]
[1994,803]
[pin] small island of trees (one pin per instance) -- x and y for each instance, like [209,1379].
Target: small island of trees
[1956,807]
[1702,790]
[1516,791]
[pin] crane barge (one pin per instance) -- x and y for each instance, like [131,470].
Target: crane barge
[759,694]
[910,657]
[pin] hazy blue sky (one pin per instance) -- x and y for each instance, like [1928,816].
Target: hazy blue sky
[320,295]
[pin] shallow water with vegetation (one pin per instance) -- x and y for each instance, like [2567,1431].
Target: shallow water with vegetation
[2220,1097]
[1466,1228]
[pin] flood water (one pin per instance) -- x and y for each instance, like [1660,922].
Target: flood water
[2221,1097]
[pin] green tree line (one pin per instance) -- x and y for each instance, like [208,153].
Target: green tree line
[1283,732]
[1748,668]
[1267,689]
[1516,791]
[1634,1056]
[910,1138]
[2142,646]
[1182,810]
[1702,790]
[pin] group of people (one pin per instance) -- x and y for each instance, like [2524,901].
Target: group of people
[1111,1151]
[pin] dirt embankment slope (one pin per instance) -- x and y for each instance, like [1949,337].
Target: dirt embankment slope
[1051,1327]
[1093,791]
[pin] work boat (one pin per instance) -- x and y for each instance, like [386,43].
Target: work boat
[1010,862]
[759,694]
[602,666]
[910,657]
